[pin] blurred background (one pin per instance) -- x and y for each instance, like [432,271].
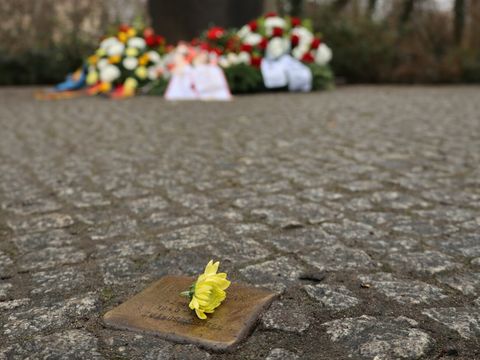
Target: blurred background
[373,41]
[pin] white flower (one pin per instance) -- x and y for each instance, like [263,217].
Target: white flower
[130,63]
[109,73]
[223,62]
[252,39]
[137,42]
[276,48]
[106,43]
[115,49]
[244,31]
[244,57]
[154,57]
[305,36]
[102,63]
[232,59]
[152,72]
[273,22]
[323,55]
[299,51]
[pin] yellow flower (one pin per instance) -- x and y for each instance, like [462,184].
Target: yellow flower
[208,292]
[114,59]
[131,32]
[141,72]
[101,52]
[129,87]
[122,36]
[131,51]
[105,87]
[92,60]
[92,77]
[143,60]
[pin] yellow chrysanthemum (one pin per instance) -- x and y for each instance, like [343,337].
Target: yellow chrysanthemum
[92,60]
[208,292]
[101,52]
[144,59]
[131,32]
[115,59]
[92,77]
[141,72]
[105,87]
[122,36]
[131,51]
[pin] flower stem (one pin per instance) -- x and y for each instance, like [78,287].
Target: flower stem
[185,293]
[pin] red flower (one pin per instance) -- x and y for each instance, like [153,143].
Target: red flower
[151,40]
[123,28]
[148,32]
[295,40]
[253,25]
[277,31]
[296,21]
[246,47]
[217,51]
[316,43]
[204,46]
[230,45]
[154,40]
[256,61]
[270,14]
[308,57]
[263,44]
[215,33]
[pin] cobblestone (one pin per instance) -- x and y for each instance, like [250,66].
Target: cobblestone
[369,338]
[361,206]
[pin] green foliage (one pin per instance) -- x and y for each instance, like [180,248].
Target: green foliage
[39,66]
[157,87]
[419,49]
[362,52]
[323,78]
[243,78]
[471,67]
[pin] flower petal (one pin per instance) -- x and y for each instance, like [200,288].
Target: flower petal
[200,314]
[211,268]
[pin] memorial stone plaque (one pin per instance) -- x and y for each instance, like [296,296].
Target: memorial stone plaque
[161,311]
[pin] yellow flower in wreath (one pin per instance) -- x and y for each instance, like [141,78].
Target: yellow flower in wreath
[115,59]
[131,51]
[92,77]
[122,36]
[144,59]
[141,72]
[131,32]
[92,60]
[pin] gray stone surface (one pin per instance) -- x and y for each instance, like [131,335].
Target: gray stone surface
[466,321]
[281,354]
[360,201]
[427,262]
[368,337]
[336,297]
[468,283]
[286,317]
[403,291]
[71,344]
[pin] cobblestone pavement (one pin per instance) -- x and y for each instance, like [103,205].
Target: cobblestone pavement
[361,206]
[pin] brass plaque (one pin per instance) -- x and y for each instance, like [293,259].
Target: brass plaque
[161,311]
